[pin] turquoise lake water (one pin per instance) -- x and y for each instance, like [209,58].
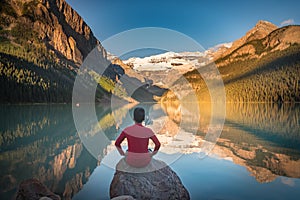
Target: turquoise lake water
[257,155]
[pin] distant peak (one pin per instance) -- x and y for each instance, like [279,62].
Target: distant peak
[261,24]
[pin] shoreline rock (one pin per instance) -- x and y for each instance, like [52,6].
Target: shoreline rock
[33,189]
[154,183]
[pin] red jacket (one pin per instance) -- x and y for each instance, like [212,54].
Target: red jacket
[138,139]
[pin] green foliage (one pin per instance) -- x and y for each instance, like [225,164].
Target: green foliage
[23,81]
[30,70]
[273,78]
[279,85]
[17,38]
[26,45]
[109,85]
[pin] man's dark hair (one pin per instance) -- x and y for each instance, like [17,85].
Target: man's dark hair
[139,114]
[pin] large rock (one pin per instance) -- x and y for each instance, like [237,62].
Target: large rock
[156,181]
[56,24]
[33,189]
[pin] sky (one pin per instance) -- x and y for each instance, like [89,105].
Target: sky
[208,22]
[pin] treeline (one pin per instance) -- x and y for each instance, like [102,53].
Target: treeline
[274,77]
[29,71]
[32,71]
[22,81]
[22,42]
[280,85]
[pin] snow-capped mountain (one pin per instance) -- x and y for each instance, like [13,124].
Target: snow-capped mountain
[183,61]
[167,61]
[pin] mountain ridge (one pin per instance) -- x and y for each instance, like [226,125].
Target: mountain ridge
[259,31]
[264,34]
[42,45]
[277,40]
[260,70]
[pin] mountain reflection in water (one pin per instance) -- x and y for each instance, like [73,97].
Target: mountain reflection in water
[41,141]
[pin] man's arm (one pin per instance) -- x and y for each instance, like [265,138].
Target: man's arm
[157,144]
[118,142]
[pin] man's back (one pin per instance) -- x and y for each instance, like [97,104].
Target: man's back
[138,138]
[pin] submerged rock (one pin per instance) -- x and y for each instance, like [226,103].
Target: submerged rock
[156,181]
[123,197]
[33,189]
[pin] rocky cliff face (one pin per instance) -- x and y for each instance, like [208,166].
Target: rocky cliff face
[282,38]
[264,38]
[42,44]
[259,31]
[57,25]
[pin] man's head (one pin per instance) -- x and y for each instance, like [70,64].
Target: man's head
[139,114]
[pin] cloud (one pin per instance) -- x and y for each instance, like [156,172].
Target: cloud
[287,22]
[288,181]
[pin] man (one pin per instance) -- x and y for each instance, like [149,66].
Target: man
[138,137]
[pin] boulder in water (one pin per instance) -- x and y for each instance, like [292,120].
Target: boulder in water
[155,181]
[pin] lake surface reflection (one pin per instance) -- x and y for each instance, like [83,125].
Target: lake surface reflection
[256,157]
